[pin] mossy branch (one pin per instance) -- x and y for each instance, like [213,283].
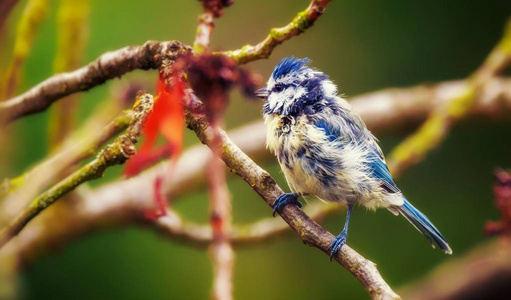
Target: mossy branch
[277,36]
[115,153]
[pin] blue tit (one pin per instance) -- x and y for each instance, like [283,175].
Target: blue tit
[325,149]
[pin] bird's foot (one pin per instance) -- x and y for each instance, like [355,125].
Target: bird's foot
[338,242]
[284,200]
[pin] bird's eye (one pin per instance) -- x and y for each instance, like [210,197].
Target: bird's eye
[278,88]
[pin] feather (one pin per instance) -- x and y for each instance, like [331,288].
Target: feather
[424,225]
[289,65]
[380,171]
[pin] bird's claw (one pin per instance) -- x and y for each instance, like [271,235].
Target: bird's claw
[337,243]
[284,200]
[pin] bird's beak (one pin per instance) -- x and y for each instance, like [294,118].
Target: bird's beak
[262,93]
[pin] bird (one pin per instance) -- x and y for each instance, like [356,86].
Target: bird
[325,149]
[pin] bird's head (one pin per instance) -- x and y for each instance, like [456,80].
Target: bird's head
[294,88]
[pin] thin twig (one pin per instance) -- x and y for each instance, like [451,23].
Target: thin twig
[174,227]
[307,230]
[108,66]
[212,9]
[116,153]
[222,254]
[299,24]
[204,28]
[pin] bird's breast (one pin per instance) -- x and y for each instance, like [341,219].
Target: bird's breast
[289,139]
[284,133]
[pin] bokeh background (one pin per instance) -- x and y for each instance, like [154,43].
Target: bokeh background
[363,46]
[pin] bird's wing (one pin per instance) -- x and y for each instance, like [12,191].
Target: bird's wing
[380,171]
[375,160]
[332,131]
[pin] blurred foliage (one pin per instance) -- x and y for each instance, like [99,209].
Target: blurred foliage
[363,46]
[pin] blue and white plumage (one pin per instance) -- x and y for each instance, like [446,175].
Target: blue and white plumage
[326,150]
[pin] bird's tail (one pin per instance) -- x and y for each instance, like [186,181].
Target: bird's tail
[424,225]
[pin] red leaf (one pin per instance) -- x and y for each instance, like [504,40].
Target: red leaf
[166,118]
[172,124]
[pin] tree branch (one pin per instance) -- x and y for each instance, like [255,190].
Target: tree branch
[396,107]
[302,21]
[174,227]
[116,153]
[308,231]
[221,251]
[108,66]
[222,254]
[204,28]
[212,9]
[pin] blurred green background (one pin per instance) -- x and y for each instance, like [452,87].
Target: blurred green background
[363,46]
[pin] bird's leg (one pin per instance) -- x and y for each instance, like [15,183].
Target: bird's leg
[340,240]
[284,200]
